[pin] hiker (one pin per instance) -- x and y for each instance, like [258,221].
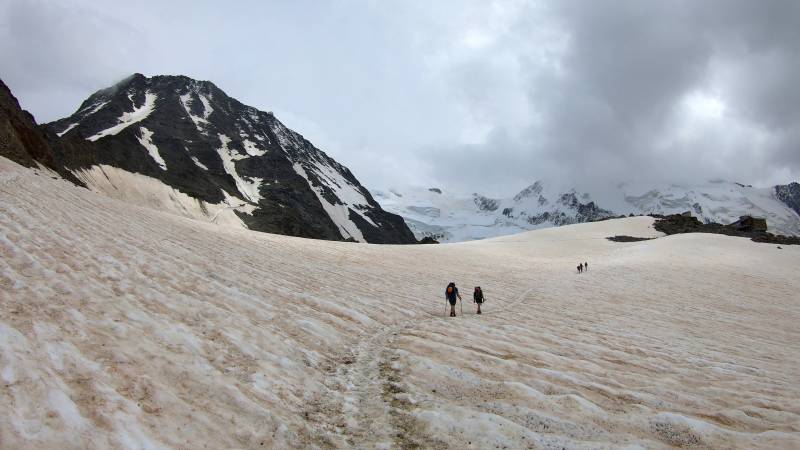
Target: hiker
[585,266]
[477,297]
[451,293]
[580,268]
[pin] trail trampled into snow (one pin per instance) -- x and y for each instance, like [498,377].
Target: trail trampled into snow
[124,327]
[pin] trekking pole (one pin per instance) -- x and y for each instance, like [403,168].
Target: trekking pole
[461,301]
[445,307]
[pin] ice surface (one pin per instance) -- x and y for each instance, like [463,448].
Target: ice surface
[146,139]
[129,118]
[125,327]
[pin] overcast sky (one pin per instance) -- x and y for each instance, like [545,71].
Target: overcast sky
[483,96]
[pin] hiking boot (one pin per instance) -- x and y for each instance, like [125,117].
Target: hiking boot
[479,311]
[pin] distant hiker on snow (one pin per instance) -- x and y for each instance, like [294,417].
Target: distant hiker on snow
[580,268]
[477,297]
[585,266]
[451,293]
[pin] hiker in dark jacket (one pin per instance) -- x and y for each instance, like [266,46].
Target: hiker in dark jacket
[477,297]
[451,293]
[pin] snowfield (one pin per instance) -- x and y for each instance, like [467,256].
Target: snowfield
[124,327]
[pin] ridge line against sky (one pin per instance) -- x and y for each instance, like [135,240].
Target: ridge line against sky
[476,96]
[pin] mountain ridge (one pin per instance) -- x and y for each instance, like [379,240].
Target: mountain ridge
[194,138]
[449,217]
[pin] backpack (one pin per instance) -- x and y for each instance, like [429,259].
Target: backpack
[449,290]
[478,294]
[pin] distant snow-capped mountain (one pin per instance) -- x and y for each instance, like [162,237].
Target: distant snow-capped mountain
[448,217]
[183,145]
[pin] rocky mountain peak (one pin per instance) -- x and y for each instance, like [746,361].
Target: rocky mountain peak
[790,195]
[193,137]
[530,191]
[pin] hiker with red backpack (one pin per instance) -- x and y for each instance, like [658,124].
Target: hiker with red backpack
[451,294]
[477,297]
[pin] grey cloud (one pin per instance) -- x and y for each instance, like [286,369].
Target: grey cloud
[475,95]
[615,106]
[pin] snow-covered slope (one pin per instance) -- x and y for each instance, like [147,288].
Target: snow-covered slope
[452,218]
[196,140]
[126,327]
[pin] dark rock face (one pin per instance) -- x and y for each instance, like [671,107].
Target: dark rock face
[530,191]
[677,224]
[568,208]
[193,137]
[624,238]
[578,212]
[23,142]
[789,194]
[484,203]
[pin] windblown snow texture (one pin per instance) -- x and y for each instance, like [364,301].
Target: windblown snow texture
[127,328]
[195,139]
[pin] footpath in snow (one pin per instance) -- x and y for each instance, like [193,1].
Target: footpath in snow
[124,327]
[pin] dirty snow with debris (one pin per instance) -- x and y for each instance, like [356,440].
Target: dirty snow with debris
[125,327]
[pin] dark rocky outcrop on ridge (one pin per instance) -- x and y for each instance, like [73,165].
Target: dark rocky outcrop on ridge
[678,223]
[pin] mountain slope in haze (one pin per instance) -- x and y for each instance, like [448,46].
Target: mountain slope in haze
[187,143]
[452,218]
